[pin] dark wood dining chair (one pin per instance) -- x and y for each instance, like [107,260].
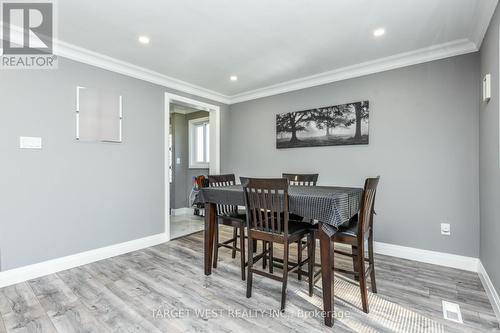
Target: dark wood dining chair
[229,215]
[360,229]
[268,220]
[297,179]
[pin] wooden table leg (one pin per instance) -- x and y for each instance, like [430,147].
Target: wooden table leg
[326,250]
[210,225]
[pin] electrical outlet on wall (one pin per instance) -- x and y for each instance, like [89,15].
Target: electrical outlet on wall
[445,229]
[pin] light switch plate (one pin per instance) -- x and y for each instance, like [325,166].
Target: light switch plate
[28,142]
[445,229]
[487,88]
[178,160]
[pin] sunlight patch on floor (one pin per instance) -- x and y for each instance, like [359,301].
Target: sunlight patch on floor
[389,316]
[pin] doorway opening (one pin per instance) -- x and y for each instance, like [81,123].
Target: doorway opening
[192,149]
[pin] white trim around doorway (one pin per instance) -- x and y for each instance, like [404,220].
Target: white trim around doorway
[214,116]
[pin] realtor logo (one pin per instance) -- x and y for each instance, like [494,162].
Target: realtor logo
[27,35]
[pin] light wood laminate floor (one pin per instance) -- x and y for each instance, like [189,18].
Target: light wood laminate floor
[182,225]
[163,289]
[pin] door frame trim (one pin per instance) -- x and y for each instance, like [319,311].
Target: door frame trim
[214,116]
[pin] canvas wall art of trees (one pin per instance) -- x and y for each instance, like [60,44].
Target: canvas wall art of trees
[345,124]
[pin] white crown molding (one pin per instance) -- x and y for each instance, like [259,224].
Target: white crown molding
[80,54]
[427,54]
[426,256]
[29,272]
[490,289]
[486,11]
[435,52]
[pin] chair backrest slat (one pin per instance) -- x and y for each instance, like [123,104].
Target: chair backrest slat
[221,181]
[301,179]
[367,206]
[267,204]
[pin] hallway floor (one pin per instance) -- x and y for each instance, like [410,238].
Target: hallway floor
[182,225]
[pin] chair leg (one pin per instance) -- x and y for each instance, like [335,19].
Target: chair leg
[355,261]
[242,252]
[285,275]
[264,254]
[362,278]
[271,261]
[299,259]
[249,268]
[311,254]
[216,247]
[235,238]
[372,263]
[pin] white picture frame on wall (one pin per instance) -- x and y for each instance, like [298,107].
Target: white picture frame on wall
[99,115]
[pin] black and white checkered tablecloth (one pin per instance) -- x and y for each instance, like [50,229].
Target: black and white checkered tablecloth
[333,206]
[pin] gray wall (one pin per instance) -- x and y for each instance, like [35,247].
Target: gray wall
[423,143]
[71,197]
[182,174]
[489,159]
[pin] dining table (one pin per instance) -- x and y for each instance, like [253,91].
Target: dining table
[328,206]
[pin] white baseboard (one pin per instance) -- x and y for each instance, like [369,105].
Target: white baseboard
[490,289]
[430,257]
[182,211]
[29,272]
[444,259]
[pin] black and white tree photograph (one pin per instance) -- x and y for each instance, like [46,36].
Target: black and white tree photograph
[345,124]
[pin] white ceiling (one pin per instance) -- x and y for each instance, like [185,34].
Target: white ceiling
[266,42]
[182,108]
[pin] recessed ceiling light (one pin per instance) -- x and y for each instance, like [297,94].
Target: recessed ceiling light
[379,32]
[233,78]
[144,40]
